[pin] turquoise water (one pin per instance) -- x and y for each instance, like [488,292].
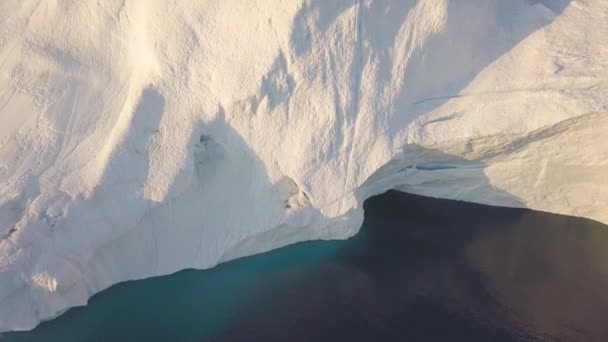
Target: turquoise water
[180,307]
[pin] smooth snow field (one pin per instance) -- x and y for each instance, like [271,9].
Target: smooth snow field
[421,269]
[139,138]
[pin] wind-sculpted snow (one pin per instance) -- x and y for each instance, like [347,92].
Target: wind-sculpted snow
[138,138]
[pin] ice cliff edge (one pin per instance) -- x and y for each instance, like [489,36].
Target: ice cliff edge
[141,138]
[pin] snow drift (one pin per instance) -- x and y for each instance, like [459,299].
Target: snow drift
[138,138]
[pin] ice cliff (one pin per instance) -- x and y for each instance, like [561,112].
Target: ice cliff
[138,138]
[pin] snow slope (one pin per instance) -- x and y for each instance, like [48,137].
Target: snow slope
[138,138]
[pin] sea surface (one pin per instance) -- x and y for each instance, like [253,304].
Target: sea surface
[421,269]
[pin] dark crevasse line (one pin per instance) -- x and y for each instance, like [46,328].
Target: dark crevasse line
[442,166]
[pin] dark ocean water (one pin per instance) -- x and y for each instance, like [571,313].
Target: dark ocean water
[421,269]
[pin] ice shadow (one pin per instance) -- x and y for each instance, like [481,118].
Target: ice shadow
[457,66]
[224,185]
[420,269]
[219,206]
[476,34]
[216,209]
[62,234]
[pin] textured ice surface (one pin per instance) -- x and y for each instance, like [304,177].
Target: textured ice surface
[138,138]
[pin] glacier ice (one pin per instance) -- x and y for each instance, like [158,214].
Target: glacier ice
[140,138]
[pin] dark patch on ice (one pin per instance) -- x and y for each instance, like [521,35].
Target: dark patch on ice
[278,85]
[442,119]
[442,166]
[14,209]
[204,138]
[558,67]
[209,157]
[9,233]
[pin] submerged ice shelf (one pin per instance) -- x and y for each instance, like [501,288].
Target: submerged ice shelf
[129,150]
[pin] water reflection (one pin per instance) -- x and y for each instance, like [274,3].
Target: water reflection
[427,269]
[551,271]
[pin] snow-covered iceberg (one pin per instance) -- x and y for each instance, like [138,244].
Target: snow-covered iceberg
[138,138]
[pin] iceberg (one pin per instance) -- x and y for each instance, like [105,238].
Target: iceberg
[139,138]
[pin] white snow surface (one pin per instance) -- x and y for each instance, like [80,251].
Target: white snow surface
[141,137]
